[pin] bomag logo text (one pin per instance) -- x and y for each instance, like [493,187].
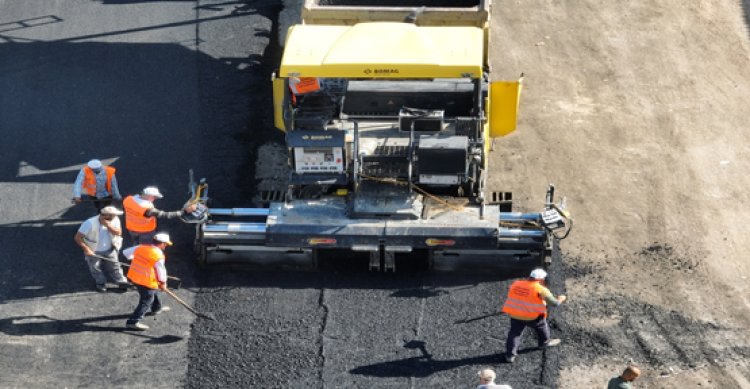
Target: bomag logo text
[317,137]
[382,71]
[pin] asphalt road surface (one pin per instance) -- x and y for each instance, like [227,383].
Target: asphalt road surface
[156,88]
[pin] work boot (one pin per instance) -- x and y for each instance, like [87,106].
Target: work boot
[551,343]
[137,326]
[164,308]
[510,358]
[101,288]
[125,285]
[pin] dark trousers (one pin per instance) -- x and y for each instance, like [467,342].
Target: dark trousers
[141,237]
[99,203]
[516,330]
[149,302]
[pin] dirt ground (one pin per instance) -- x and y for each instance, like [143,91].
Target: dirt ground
[637,112]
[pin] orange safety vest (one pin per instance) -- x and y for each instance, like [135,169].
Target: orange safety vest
[524,300]
[142,270]
[89,180]
[135,219]
[305,85]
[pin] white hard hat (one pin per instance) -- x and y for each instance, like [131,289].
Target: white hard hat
[110,210]
[487,375]
[94,164]
[163,237]
[538,274]
[152,191]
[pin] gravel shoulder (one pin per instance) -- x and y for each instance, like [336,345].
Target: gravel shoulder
[637,112]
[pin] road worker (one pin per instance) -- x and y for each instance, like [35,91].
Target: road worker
[301,86]
[623,381]
[527,307]
[141,215]
[304,85]
[97,183]
[487,380]
[149,274]
[100,238]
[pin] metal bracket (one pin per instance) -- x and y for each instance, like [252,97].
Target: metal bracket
[389,259]
[374,260]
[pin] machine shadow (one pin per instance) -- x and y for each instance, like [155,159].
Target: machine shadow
[137,104]
[100,100]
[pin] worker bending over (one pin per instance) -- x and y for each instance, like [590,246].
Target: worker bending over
[97,183]
[527,307]
[141,215]
[149,274]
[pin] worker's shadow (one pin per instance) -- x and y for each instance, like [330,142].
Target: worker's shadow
[421,366]
[38,325]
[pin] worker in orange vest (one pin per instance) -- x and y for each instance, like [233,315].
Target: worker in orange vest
[149,274]
[96,182]
[304,85]
[141,215]
[527,307]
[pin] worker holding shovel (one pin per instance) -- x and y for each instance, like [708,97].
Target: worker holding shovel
[149,273]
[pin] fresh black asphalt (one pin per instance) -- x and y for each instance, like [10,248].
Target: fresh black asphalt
[161,87]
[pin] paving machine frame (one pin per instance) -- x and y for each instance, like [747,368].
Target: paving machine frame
[388,126]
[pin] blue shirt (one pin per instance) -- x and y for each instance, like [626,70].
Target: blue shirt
[618,383]
[101,185]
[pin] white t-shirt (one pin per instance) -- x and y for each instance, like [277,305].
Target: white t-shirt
[96,235]
[129,252]
[493,386]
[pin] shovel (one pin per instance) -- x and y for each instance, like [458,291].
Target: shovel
[189,308]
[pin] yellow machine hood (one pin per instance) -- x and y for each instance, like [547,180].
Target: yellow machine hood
[383,50]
